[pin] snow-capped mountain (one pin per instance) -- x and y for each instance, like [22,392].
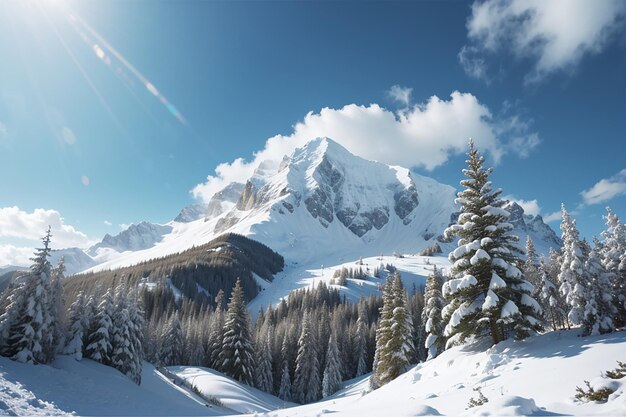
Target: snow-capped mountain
[136,237]
[319,205]
[191,213]
[75,259]
[223,200]
[542,235]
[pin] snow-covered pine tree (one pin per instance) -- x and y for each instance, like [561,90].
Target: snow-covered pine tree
[613,256]
[171,344]
[360,344]
[121,350]
[599,308]
[264,379]
[284,391]
[306,384]
[98,346]
[78,326]
[383,333]
[236,355]
[136,317]
[572,275]
[11,305]
[549,299]
[216,334]
[331,382]
[28,337]
[487,294]
[531,266]
[56,310]
[431,315]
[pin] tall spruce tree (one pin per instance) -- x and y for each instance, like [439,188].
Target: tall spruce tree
[78,326]
[284,391]
[599,308]
[487,294]
[613,257]
[360,345]
[56,310]
[171,346]
[237,351]
[394,348]
[99,339]
[572,275]
[306,384]
[263,370]
[331,382]
[216,334]
[531,266]
[29,338]
[431,315]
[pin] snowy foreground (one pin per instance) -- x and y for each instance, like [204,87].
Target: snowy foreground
[534,377]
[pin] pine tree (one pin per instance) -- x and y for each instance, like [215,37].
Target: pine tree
[237,351]
[488,293]
[331,381]
[571,275]
[549,298]
[171,346]
[216,334]
[263,371]
[431,315]
[28,338]
[121,355]
[360,344]
[531,265]
[78,326]
[284,391]
[99,339]
[599,308]
[383,334]
[306,384]
[136,317]
[613,257]
[56,310]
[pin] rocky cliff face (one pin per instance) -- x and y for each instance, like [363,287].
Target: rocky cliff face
[136,237]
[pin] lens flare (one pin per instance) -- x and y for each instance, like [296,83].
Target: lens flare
[107,53]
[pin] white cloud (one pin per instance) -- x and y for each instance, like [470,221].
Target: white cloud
[13,255]
[554,34]
[530,206]
[19,224]
[124,226]
[424,135]
[473,63]
[552,217]
[108,223]
[400,94]
[3,130]
[606,189]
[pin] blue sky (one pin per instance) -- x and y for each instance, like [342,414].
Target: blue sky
[83,139]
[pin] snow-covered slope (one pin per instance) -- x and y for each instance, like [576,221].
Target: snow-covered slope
[87,388]
[232,394]
[537,376]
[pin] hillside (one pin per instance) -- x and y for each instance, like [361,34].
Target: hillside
[200,271]
[538,376]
